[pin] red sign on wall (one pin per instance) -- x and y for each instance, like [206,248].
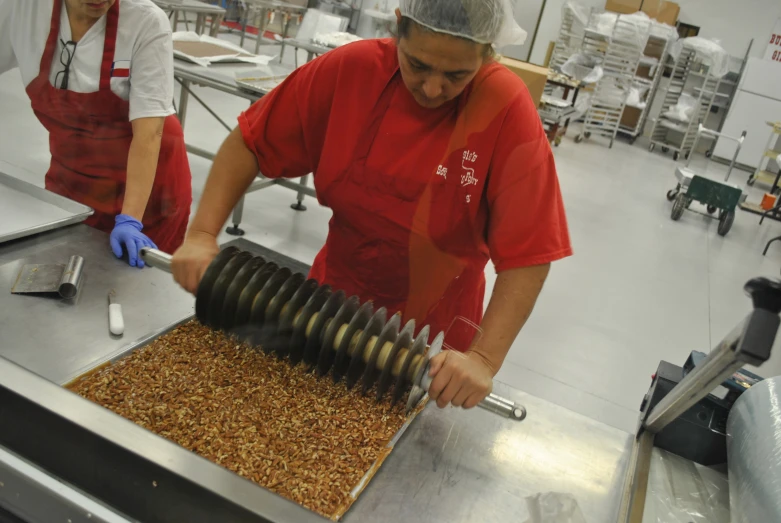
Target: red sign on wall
[773,51]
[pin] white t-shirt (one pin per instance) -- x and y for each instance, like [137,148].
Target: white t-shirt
[143,45]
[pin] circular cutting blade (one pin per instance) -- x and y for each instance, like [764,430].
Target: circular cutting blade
[343,316]
[232,295]
[422,381]
[298,338]
[418,346]
[373,328]
[271,317]
[389,333]
[269,290]
[358,321]
[313,345]
[220,288]
[248,295]
[404,340]
[204,292]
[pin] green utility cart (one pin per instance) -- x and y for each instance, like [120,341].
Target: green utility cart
[716,195]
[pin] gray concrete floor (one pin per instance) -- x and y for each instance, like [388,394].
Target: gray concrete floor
[639,289]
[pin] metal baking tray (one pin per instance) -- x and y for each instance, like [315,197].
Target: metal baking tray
[26,209]
[356,490]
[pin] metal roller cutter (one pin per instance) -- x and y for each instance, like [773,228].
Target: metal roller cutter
[300,320]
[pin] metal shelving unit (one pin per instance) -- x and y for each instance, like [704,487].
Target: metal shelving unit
[621,56]
[767,171]
[570,37]
[690,76]
[648,74]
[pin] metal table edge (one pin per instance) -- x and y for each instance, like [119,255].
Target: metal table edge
[144,445]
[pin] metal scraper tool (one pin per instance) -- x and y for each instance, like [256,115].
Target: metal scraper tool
[62,280]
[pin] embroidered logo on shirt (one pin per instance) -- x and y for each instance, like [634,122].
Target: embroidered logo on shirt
[120,69]
[468,178]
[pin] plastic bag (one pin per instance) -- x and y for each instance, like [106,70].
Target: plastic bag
[709,52]
[594,76]
[665,31]
[640,26]
[683,111]
[681,491]
[635,97]
[583,68]
[582,104]
[336,39]
[580,9]
[604,23]
[637,23]
[553,507]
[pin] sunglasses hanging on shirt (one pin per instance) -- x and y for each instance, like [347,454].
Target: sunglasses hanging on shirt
[66,57]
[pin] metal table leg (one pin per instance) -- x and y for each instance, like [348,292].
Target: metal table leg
[200,23]
[238,212]
[285,31]
[175,22]
[243,20]
[216,24]
[184,96]
[299,205]
[261,28]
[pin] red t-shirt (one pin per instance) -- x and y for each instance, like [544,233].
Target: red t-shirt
[482,159]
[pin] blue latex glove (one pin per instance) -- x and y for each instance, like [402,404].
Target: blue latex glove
[127,233]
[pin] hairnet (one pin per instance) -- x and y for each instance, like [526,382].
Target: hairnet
[483,21]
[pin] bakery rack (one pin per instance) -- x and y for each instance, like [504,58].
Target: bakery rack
[765,172]
[647,77]
[570,38]
[689,75]
[621,52]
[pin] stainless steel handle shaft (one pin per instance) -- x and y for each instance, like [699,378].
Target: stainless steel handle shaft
[503,407]
[156,259]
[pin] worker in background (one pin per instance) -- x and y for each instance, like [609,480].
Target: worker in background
[433,160]
[99,74]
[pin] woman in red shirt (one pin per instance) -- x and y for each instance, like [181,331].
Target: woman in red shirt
[433,160]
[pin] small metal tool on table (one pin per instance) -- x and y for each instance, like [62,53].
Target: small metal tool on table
[300,320]
[62,280]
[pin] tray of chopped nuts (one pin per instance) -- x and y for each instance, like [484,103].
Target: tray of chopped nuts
[282,427]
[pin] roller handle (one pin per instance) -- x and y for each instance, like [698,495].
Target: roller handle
[503,407]
[492,403]
[157,259]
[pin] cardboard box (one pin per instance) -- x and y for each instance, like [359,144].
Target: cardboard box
[662,11]
[626,7]
[549,53]
[631,116]
[532,75]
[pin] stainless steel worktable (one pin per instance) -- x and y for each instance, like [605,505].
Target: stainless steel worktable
[201,10]
[222,77]
[60,339]
[454,466]
[450,465]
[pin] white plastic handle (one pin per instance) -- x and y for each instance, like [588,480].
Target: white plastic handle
[116,323]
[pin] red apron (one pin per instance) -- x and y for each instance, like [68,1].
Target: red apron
[409,242]
[89,139]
